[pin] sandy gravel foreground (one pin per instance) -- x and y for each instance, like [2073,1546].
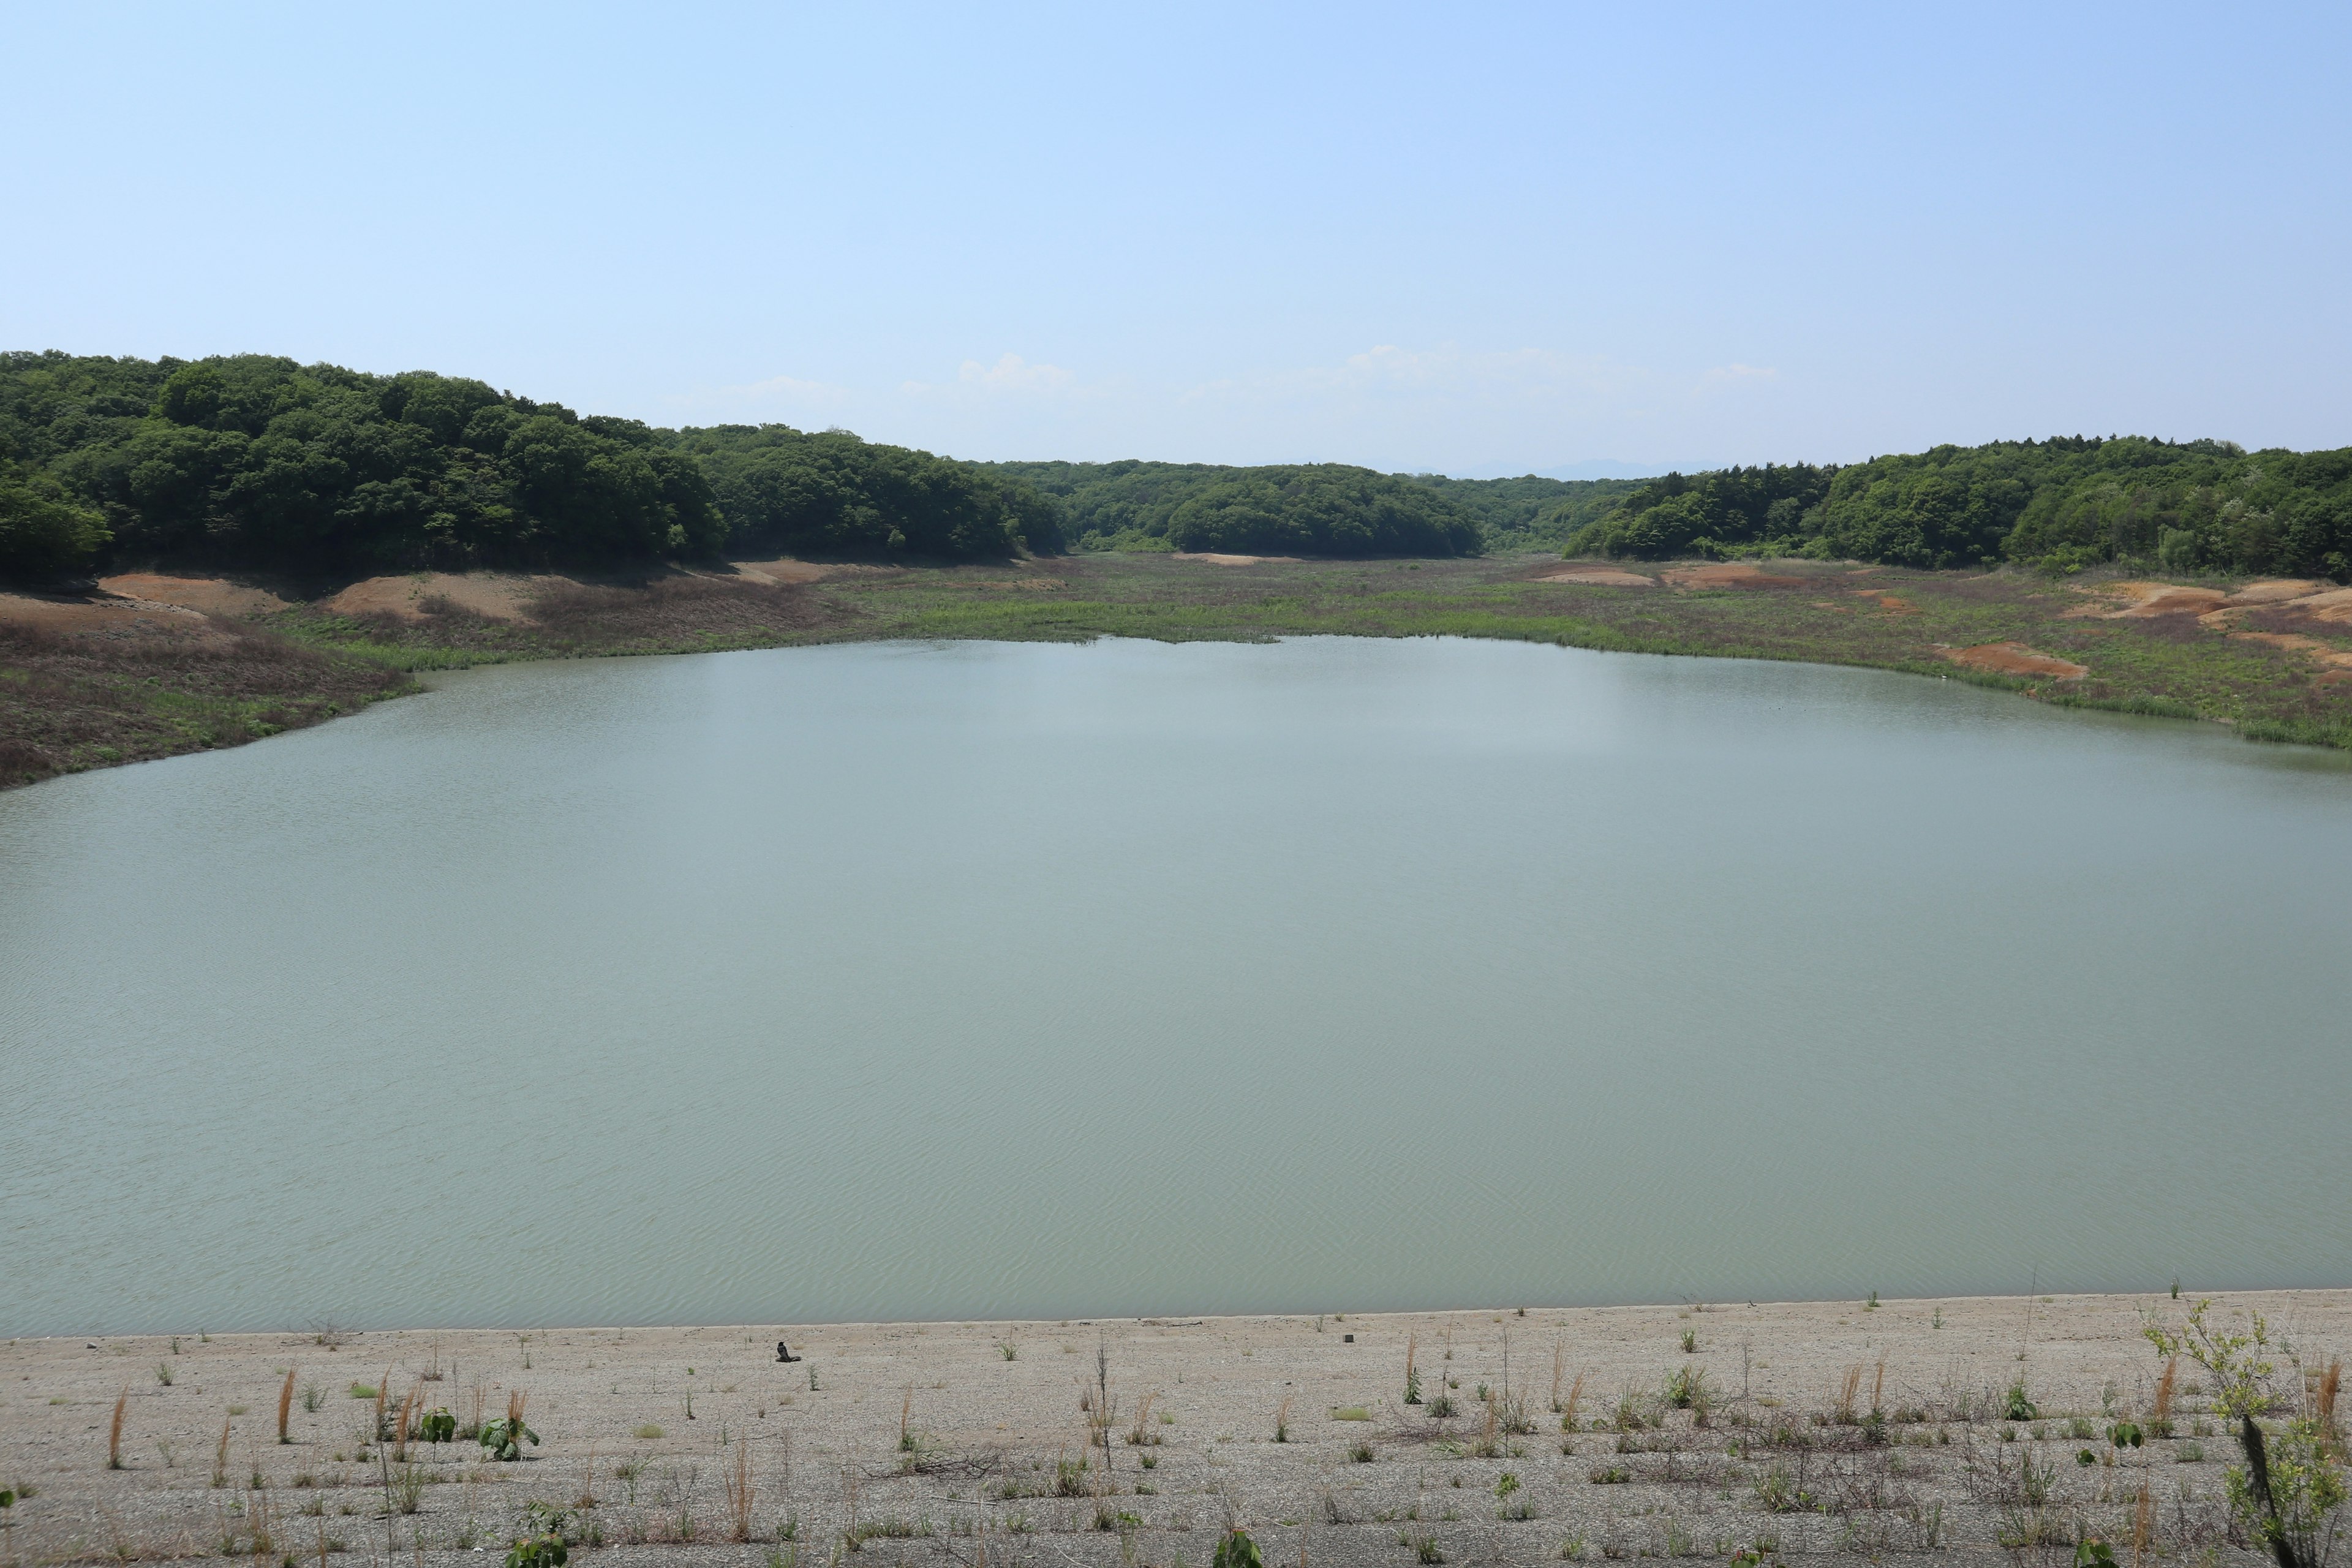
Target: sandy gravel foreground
[962,1441]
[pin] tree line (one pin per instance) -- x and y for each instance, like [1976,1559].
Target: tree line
[259,462]
[1320,509]
[2061,504]
[256,461]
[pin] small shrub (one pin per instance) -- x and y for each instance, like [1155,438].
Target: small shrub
[2287,1492]
[539,1551]
[504,1437]
[1236,1550]
[2238,1361]
[1361,1454]
[1778,1491]
[1686,1388]
[1609,1476]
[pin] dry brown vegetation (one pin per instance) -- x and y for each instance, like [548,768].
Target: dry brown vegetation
[72,700]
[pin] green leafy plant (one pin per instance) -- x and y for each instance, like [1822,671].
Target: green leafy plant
[2019,1407]
[2094,1553]
[1236,1550]
[538,1552]
[1506,1484]
[1686,1388]
[2125,1434]
[2237,1359]
[2288,1491]
[1412,1376]
[504,1436]
[436,1426]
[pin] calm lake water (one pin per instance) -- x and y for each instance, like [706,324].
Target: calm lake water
[998,981]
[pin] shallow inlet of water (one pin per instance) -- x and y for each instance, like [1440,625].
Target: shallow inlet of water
[993,980]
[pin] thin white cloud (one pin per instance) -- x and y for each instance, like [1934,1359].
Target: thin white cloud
[1010,376]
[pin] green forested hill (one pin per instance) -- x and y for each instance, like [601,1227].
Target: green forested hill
[260,462]
[2063,503]
[1317,509]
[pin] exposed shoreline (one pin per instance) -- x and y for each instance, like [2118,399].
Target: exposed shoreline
[926,1440]
[169,665]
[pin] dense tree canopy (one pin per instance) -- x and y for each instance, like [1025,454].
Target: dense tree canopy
[1133,505]
[832,493]
[1325,509]
[2064,503]
[258,461]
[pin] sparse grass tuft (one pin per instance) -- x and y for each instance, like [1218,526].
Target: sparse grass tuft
[114,1430]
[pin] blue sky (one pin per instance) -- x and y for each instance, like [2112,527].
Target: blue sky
[1460,238]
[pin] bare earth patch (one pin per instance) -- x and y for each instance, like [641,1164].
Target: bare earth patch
[2016,659]
[1602,577]
[1732,574]
[2333,606]
[2138,601]
[2275,590]
[2325,653]
[493,595]
[1215,558]
[105,617]
[213,595]
[784,569]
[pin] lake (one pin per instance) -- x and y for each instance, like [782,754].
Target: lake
[998,981]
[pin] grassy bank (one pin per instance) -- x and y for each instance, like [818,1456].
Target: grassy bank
[2275,671]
